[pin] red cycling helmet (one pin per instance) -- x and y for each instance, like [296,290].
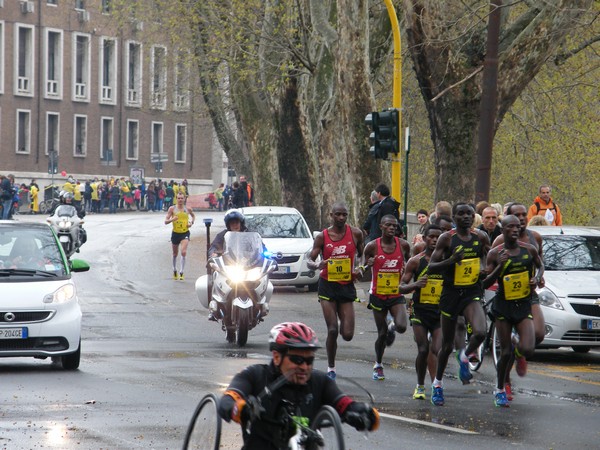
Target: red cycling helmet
[292,335]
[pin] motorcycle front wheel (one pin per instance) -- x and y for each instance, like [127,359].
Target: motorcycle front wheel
[243,326]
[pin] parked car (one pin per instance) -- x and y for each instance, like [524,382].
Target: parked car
[571,298]
[40,314]
[287,236]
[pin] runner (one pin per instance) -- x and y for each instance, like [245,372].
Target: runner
[425,316]
[519,210]
[179,215]
[339,245]
[386,257]
[512,264]
[459,253]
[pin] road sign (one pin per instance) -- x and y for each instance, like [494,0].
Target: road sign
[159,157]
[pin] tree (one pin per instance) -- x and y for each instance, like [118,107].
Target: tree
[447,46]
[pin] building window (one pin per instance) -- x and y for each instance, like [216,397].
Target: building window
[52,2]
[108,74]
[158,86]
[106,6]
[106,127]
[23,131]
[157,137]
[79,4]
[1,57]
[54,63]
[134,74]
[24,63]
[182,82]
[80,136]
[133,127]
[81,66]
[52,133]
[180,142]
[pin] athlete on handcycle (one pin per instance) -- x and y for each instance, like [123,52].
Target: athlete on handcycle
[293,346]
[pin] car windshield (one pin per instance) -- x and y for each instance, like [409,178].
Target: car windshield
[571,252]
[278,225]
[29,252]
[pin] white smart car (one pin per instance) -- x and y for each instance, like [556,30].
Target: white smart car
[40,314]
[571,298]
[288,238]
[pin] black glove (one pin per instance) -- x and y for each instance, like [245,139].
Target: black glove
[361,416]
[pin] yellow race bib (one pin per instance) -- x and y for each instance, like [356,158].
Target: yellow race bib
[339,270]
[516,286]
[466,272]
[388,283]
[432,292]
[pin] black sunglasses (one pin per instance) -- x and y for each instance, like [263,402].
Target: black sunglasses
[299,360]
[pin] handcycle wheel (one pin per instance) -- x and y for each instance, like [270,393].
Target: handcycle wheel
[475,364]
[495,344]
[204,431]
[327,423]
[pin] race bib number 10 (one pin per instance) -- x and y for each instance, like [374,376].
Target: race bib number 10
[339,270]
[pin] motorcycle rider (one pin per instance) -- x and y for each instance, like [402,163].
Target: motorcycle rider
[234,221]
[66,198]
[292,346]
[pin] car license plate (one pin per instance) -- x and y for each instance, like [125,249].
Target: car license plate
[591,324]
[283,269]
[13,333]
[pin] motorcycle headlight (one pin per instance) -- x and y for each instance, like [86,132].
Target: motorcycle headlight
[63,294]
[236,273]
[254,274]
[549,299]
[65,224]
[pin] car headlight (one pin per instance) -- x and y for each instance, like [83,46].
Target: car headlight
[549,299]
[63,294]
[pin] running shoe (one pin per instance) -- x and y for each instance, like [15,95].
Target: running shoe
[521,366]
[508,390]
[464,373]
[175,275]
[331,374]
[437,395]
[500,400]
[391,334]
[378,374]
[181,276]
[419,393]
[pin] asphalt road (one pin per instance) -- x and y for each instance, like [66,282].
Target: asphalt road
[149,354]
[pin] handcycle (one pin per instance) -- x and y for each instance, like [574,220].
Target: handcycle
[325,431]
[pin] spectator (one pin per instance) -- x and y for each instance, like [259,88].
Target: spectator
[490,223]
[543,205]
[538,221]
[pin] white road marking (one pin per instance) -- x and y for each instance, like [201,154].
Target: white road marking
[427,424]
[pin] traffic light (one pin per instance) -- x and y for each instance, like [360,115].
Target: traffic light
[385,137]
[52,162]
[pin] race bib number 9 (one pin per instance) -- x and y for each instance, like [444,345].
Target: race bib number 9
[466,273]
[516,286]
[432,292]
[339,270]
[387,283]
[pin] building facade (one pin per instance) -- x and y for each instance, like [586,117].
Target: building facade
[81,95]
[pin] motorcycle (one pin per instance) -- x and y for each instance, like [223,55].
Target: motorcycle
[68,227]
[237,289]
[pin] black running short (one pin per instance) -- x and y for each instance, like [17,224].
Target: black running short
[429,318]
[336,292]
[511,311]
[176,238]
[380,304]
[454,301]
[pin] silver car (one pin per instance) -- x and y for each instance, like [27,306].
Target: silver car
[571,298]
[287,236]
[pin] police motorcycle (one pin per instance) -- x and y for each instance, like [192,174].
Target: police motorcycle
[237,289]
[68,225]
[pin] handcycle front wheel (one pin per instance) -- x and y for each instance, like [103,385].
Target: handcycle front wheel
[204,431]
[328,424]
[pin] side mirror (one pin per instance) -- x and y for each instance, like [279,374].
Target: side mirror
[79,265]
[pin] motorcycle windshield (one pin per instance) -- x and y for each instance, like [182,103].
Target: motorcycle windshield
[243,248]
[65,210]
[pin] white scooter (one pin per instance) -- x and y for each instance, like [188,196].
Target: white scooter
[68,227]
[237,289]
